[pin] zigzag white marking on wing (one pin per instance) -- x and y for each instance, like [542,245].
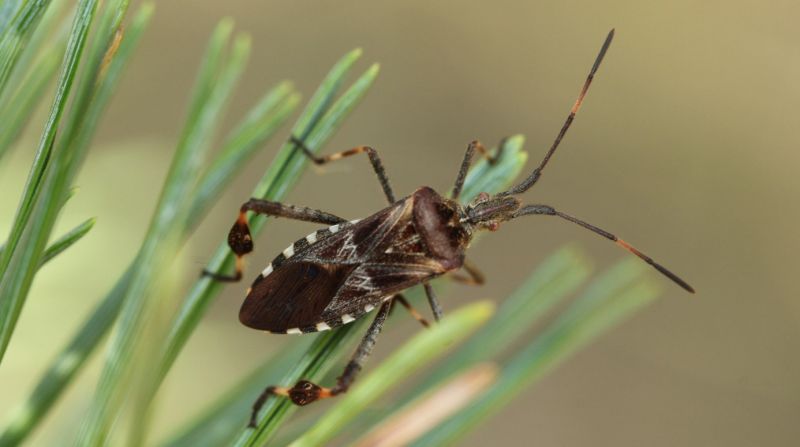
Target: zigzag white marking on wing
[348,247]
[311,239]
[359,280]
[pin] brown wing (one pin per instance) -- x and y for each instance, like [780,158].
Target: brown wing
[293,296]
[347,271]
[371,283]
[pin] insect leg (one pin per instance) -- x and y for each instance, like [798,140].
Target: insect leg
[465,164]
[414,313]
[240,240]
[434,303]
[475,277]
[305,392]
[377,165]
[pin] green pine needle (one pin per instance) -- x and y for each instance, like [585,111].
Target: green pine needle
[17,105]
[64,242]
[16,33]
[48,183]
[221,421]
[260,124]
[413,355]
[67,240]
[152,325]
[217,78]
[608,300]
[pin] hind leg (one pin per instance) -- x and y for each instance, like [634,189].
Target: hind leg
[240,240]
[305,392]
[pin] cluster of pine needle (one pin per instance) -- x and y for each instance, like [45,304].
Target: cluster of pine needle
[83,53]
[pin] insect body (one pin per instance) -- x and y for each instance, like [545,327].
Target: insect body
[337,274]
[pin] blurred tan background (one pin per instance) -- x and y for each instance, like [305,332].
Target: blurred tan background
[687,147]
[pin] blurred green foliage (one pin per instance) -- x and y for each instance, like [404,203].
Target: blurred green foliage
[150,324]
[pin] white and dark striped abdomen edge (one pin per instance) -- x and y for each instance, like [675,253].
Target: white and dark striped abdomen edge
[298,245]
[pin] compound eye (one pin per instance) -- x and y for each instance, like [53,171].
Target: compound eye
[482,197]
[493,226]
